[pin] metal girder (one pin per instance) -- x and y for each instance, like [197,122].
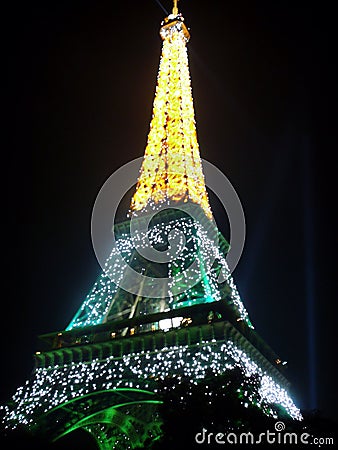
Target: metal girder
[124,412]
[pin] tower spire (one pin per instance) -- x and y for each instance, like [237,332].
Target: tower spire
[175,8]
[171,171]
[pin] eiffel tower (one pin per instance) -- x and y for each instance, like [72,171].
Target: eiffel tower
[176,314]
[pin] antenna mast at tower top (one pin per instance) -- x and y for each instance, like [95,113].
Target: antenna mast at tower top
[175,9]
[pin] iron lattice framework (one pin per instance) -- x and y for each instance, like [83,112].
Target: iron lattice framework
[108,301]
[172,169]
[100,373]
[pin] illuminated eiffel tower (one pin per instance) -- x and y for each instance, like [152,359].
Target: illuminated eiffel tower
[176,317]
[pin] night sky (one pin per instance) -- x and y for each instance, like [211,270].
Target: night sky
[80,81]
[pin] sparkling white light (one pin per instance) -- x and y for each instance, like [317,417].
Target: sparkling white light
[202,283]
[53,386]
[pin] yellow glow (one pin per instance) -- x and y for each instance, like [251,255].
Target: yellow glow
[175,9]
[172,169]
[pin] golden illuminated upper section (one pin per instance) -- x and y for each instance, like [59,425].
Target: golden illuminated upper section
[171,170]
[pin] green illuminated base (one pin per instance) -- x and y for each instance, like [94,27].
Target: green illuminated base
[117,419]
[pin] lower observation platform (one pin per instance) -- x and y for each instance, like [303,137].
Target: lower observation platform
[190,326]
[104,379]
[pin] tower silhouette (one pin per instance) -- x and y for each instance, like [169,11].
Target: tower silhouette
[165,303]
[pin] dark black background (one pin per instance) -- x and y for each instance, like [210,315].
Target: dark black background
[79,84]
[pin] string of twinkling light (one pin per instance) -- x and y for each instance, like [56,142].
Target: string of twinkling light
[53,386]
[197,246]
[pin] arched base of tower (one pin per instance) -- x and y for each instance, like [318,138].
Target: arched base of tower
[118,418]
